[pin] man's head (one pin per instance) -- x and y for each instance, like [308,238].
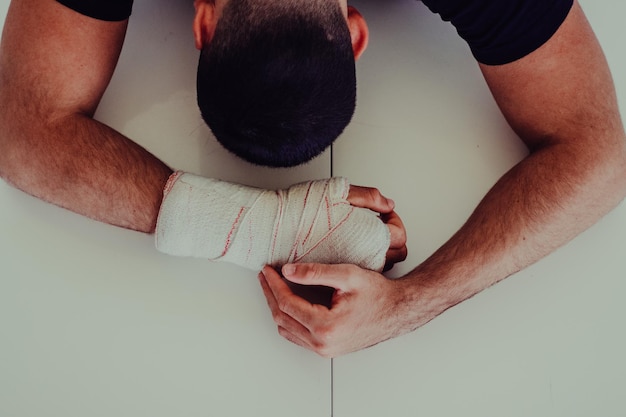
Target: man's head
[276,78]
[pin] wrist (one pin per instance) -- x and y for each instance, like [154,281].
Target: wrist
[426,295]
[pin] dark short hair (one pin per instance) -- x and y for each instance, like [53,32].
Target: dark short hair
[277,84]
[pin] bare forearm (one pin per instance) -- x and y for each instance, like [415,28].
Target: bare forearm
[53,72]
[84,166]
[561,101]
[538,206]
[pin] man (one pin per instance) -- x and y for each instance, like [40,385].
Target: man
[556,92]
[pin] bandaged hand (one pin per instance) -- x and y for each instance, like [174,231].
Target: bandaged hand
[308,222]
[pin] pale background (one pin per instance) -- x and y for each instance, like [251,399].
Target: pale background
[95,322]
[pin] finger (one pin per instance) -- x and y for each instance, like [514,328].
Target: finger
[337,276]
[370,198]
[302,312]
[293,338]
[293,330]
[269,295]
[396,228]
[394,256]
[397,255]
[281,318]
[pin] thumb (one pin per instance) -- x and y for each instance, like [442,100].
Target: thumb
[370,198]
[335,276]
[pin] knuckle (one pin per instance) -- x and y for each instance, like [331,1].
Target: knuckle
[398,240]
[323,349]
[316,271]
[402,238]
[283,307]
[351,275]
[395,257]
[352,270]
[279,318]
[324,353]
[397,229]
[374,194]
[284,333]
[323,334]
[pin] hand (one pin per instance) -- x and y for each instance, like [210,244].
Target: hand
[371,198]
[366,307]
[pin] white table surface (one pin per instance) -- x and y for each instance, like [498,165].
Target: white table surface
[95,322]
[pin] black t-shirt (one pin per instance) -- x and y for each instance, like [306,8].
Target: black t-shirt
[501,31]
[110,10]
[497,31]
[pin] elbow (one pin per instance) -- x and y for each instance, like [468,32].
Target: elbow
[24,126]
[592,167]
[17,134]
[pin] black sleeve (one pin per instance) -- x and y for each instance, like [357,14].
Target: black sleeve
[502,31]
[110,10]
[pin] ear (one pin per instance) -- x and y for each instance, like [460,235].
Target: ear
[358,31]
[204,22]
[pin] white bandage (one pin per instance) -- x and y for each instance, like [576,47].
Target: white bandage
[308,222]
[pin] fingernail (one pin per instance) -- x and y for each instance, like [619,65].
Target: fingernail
[391,203]
[289,269]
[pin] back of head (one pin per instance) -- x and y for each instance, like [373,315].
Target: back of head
[277,83]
